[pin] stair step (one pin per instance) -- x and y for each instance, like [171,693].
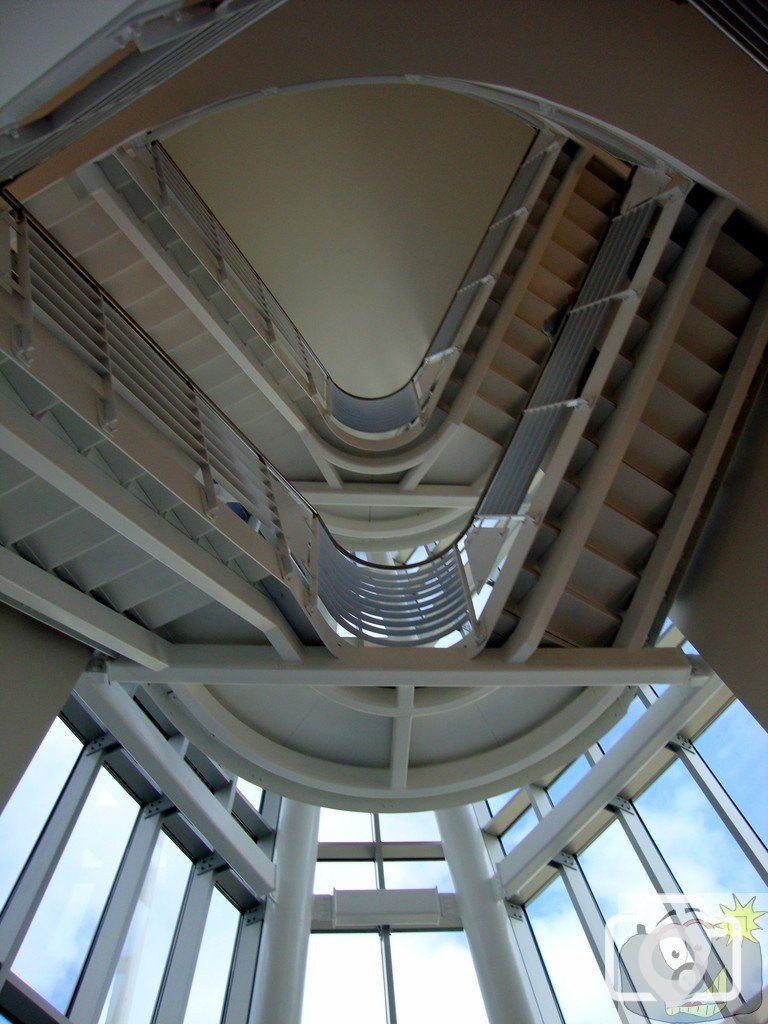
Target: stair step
[639,498]
[528,338]
[581,622]
[172,604]
[596,191]
[586,216]
[656,457]
[695,380]
[112,558]
[29,507]
[706,339]
[574,239]
[721,301]
[139,584]
[489,421]
[621,539]
[516,367]
[549,287]
[735,263]
[84,229]
[503,394]
[605,581]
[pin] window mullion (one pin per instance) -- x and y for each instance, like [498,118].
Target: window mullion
[177,983]
[733,819]
[116,920]
[30,888]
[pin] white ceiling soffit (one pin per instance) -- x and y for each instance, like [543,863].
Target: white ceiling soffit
[361,207]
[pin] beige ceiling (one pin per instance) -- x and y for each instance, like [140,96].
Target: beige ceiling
[361,207]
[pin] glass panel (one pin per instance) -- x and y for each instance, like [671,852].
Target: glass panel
[617,891]
[422,964]
[735,746]
[142,961]
[32,801]
[54,949]
[568,779]
[703,855]
[573,970]
[417,874]
[345,827]
[519,829]
[209,986]
[344,982]
[401,828]
[634,711]
[344,874]
[251,792]
[495,803]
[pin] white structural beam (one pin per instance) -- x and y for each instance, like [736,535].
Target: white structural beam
[605,781]
[45,595]
[279,989]
[389,495]
[260,666]
[500,971]
[169,772]
[25,439]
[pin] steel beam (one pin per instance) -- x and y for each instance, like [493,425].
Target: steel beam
[172,776]
[261,666]
[604,782]
[28,586]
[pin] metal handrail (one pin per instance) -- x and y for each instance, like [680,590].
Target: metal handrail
[386,415]
[395,605]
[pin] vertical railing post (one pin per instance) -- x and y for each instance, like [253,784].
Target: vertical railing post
[23,341]
[210,501]
[160,175]
[107,404]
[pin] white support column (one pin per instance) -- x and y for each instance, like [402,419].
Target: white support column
[279,989]
[499,973]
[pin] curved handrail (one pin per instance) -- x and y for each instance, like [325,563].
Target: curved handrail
[394,605]
[399,415]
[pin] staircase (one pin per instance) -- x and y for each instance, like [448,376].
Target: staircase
[520,350]
[601,602]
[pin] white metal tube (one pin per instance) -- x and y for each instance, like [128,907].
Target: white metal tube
[500,974]
[279,988]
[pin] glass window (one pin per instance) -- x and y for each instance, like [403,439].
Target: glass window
[345,827]
[251,792]
[618,891]
[565,782]
[401,828]
[518,830]
[435,979]
[573,971]
[32,801]
[701,852]
[344,874]
[142,961]
[634,711]
[735,747]
[417,874]
[55,947]
[209,985]
[495,803]
[344,981]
